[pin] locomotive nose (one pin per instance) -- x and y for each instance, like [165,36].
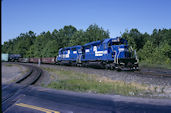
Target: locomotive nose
[124,52]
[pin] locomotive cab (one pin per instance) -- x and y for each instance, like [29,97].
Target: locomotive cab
[123,55]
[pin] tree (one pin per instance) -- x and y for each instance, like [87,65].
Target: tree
[136,39]
[51,49]
[147,52]
[94,33]
[78,38]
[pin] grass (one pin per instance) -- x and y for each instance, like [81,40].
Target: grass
[9,65]
[81,82]
[164,66]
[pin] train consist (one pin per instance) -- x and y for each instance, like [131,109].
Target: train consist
[111,53]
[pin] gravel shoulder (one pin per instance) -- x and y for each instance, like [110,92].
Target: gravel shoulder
[11,72]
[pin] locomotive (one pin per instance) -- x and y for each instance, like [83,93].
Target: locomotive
[111,53]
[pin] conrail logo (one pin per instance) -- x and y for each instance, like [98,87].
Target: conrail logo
[37,108]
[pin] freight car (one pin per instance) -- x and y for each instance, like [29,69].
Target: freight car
[111,53]
[34,60]
[4,57]
[49,60]
[14,57]
[24,60]
[10,57]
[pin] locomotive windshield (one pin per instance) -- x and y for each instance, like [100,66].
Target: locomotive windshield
[116,43]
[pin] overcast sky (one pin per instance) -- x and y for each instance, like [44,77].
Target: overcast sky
[20,16]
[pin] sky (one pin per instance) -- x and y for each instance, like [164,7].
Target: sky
[21,16]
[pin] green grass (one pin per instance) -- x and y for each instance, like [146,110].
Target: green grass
[164,66]
[9,65]
[81,82]
[94,87]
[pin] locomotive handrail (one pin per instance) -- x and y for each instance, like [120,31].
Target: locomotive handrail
[136,57]
[80,58]
[115,54]
[118,56]
[115,57]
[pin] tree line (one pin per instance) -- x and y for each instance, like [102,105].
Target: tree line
[154,48]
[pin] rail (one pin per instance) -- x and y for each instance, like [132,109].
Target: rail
[30,77]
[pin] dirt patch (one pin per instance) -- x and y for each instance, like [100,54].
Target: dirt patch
[11,72]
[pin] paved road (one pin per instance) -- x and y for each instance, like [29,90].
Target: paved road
[19,99]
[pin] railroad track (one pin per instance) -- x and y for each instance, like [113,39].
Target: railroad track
[30,77]
[166,73]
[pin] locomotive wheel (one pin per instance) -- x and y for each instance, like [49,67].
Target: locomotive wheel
[137,69]
[86,65]
[118,69]
[79,65]
[107,66]
[112,67]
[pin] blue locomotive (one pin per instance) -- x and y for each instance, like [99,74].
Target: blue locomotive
[111,53]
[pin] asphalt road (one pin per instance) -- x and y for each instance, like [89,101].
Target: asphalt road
[22,99]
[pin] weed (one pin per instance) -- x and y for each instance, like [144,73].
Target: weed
[9,65]
[75,81]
